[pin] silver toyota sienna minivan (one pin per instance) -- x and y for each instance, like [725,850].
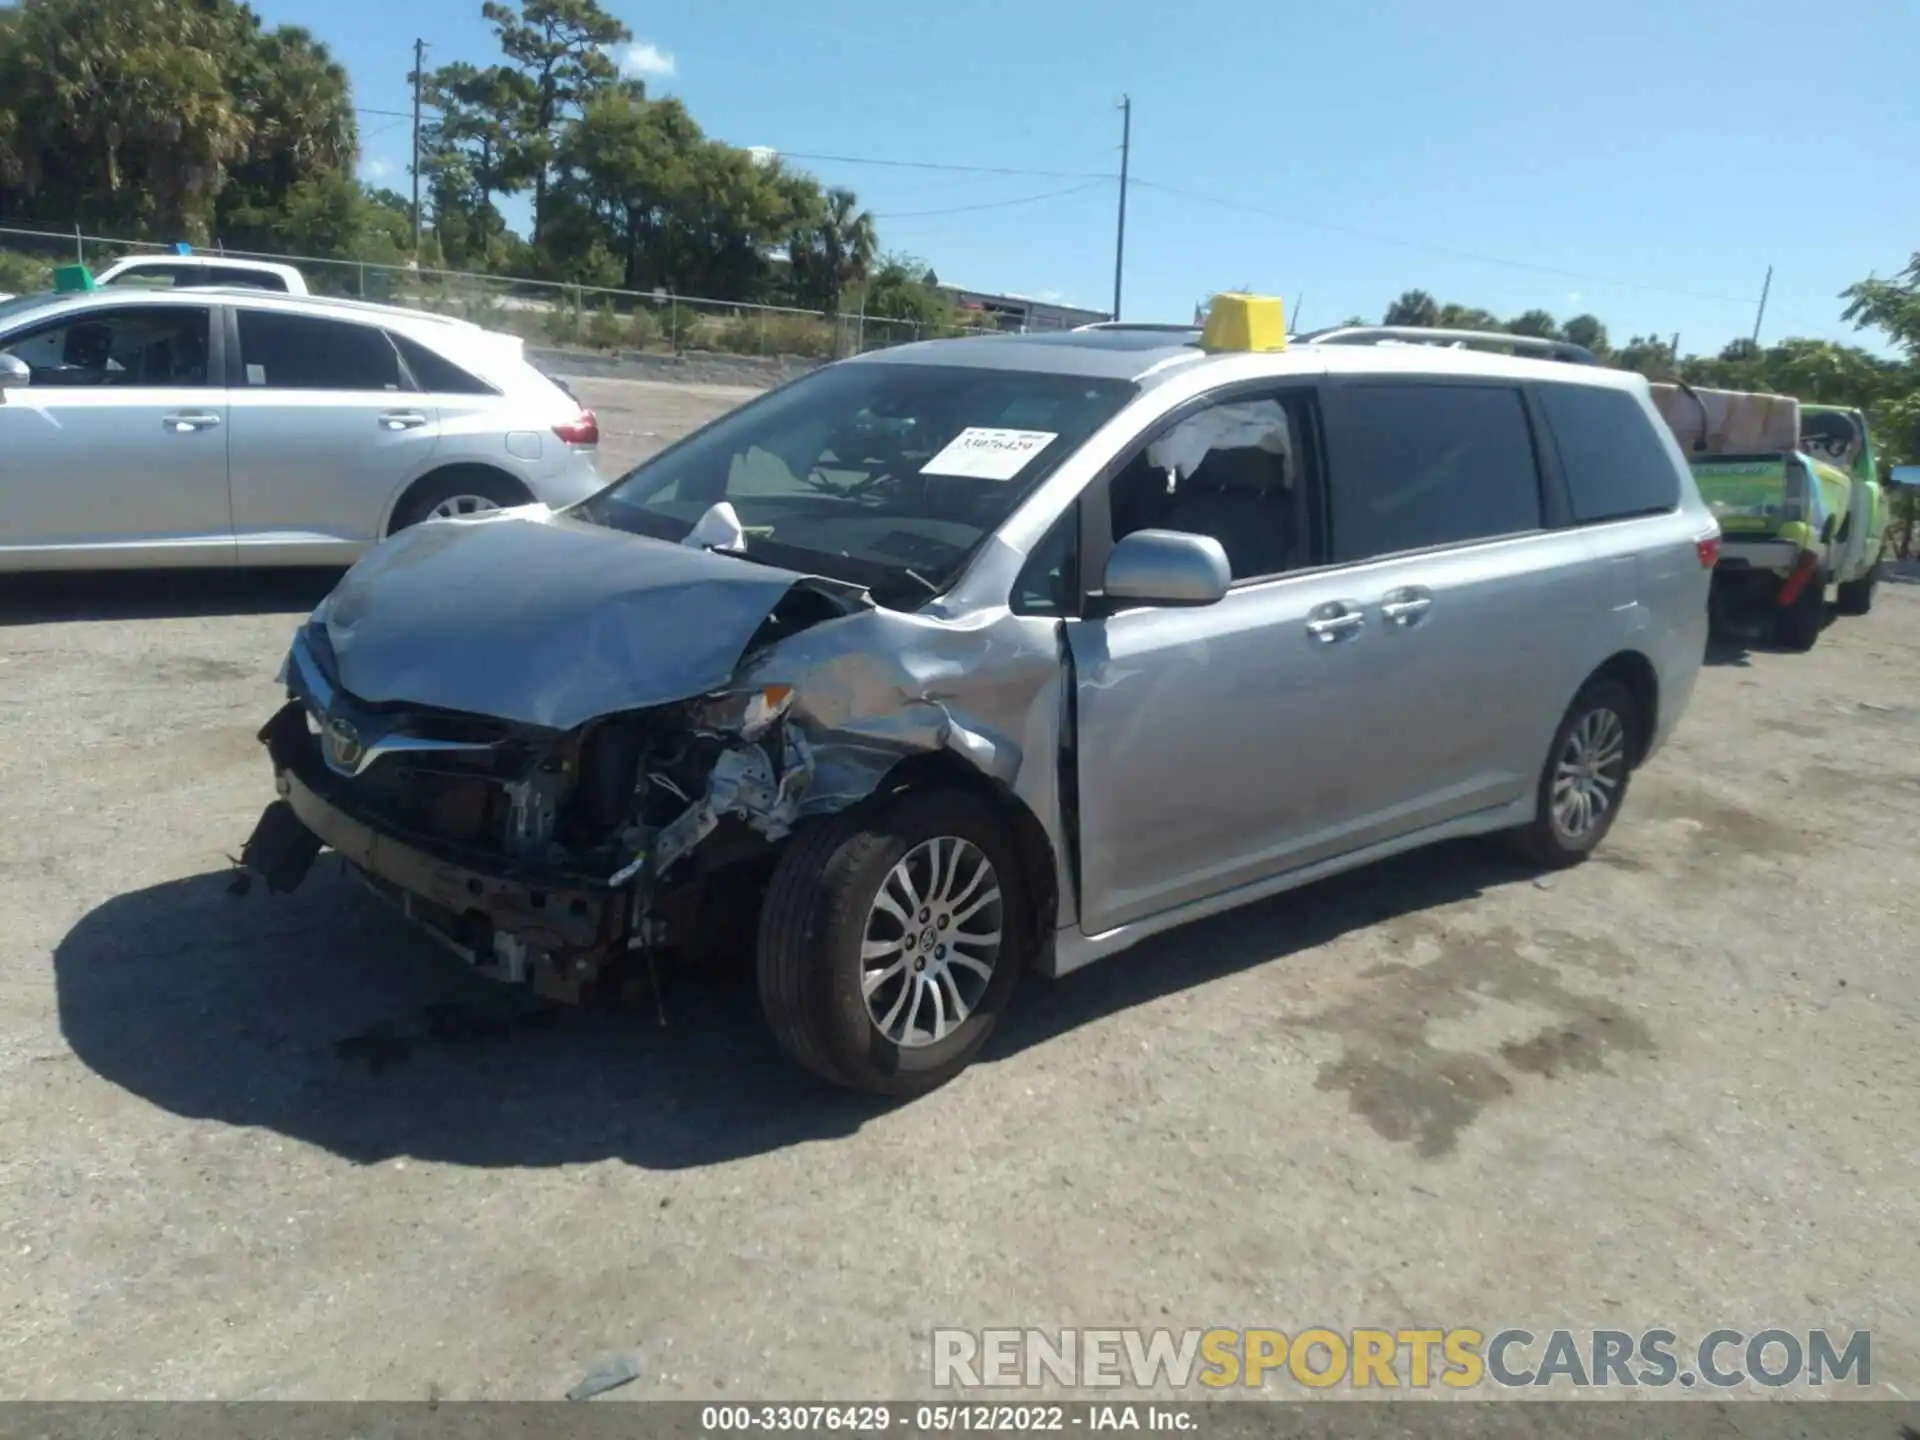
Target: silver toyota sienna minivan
[985,655]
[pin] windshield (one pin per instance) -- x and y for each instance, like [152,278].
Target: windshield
[887,476]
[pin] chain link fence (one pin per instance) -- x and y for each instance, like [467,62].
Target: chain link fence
[541,311]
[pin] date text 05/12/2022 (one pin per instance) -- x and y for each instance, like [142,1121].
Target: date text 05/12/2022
[943,1418]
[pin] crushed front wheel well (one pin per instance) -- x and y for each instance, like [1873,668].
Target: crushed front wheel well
[1633,670]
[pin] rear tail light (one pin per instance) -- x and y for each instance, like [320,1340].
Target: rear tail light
[583,429]
[1707,547]
[1793,492]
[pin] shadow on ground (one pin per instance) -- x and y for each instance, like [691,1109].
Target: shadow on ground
[1729,646]
[323,1017]
[160,594]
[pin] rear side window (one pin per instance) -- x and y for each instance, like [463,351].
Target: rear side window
[250,279]
[1413,466]
[436,374]
[1615,464]
[302,352]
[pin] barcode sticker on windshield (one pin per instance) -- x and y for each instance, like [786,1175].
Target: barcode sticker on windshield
[989,454]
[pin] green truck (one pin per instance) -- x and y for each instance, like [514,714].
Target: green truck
[1802,512]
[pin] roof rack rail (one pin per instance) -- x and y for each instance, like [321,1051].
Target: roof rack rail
[1154,326]
[1468,339]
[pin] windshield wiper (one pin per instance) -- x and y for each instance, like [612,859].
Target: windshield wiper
[914,575]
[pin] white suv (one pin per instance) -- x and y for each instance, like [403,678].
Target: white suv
[232,426]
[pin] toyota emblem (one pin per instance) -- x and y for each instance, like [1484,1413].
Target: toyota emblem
[344,749]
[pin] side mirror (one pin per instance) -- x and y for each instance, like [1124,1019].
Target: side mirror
[1167,567]
[14,372]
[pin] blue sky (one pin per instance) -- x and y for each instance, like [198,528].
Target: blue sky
[1642,159]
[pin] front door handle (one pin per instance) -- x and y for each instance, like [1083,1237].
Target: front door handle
[1336,620]
[1406,608]
[186,422]
[403,420]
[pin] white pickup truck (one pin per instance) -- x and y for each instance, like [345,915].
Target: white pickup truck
[180,271]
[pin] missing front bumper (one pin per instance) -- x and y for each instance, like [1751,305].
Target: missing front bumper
[562,918]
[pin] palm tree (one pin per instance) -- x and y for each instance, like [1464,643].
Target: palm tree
[123,111]
[1415,307]
[847,244]
[301,108]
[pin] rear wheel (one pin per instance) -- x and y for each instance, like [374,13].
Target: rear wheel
[456,491]
[890,940]
[1798,625]
[1585,779]
[1856,596]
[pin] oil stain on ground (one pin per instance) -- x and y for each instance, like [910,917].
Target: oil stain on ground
[1414,1092]
[1720,826]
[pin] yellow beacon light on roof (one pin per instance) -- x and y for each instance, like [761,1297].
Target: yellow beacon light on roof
[1245,322]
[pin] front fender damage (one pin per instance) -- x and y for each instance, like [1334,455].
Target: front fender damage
[681,809]
[842,705]
[856,697]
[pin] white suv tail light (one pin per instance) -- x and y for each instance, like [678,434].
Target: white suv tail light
[583,429]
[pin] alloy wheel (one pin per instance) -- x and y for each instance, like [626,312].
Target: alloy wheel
[455,506]
[931,941]
[1591,769]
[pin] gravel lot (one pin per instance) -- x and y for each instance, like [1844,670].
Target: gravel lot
[256,1147]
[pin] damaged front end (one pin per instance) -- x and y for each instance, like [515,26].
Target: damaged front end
[540,856]
[564,749]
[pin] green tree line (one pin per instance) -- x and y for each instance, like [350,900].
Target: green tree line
[192,119]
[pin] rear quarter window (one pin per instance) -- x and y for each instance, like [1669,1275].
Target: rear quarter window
[436,374]
[1615,463]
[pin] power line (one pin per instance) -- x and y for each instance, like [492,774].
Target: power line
[1375,235]
[397,114]
[993,204]
[937,165]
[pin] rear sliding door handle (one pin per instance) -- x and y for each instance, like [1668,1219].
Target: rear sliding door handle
[1405,608]
[1336,620]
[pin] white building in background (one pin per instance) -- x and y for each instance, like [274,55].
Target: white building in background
[1020,313]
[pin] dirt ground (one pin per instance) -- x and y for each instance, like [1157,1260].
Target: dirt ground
[283,1147]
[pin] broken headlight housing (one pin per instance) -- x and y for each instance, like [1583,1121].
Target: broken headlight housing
[749,714]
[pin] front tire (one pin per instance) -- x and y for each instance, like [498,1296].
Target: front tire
[890,940]
[1585,779]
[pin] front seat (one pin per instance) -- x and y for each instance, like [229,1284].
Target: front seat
[1240,498]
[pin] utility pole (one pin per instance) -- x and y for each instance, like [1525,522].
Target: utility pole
[419,78]
[1120,233]
[1761,314]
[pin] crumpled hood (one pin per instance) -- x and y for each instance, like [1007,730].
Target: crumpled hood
[543,620]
